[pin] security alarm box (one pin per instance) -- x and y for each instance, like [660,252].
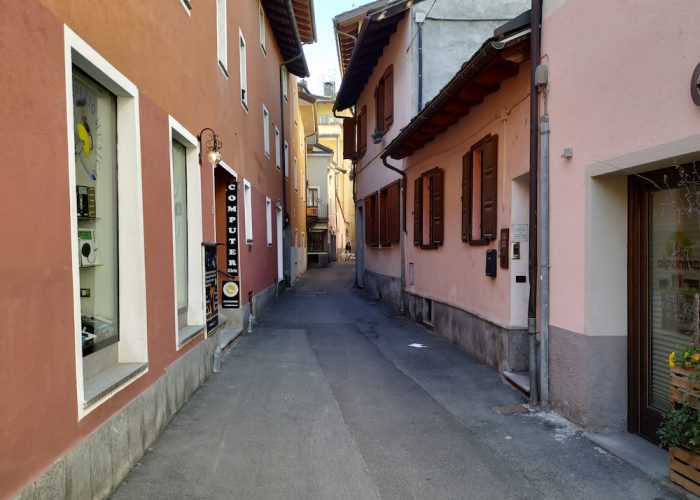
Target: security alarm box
[491,257]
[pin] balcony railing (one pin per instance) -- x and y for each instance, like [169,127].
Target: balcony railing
[319,211]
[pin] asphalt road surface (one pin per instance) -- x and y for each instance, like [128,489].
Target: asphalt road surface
[327,399]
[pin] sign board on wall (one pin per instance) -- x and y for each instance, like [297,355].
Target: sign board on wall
[211,299]
[231,290]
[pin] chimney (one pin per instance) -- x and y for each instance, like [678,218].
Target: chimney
[329,89]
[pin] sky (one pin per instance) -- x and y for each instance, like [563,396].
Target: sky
[322,56]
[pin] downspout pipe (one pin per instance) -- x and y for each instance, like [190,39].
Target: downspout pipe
[286,247]
[544,259]
[535,21]
[402,215]
[420,61]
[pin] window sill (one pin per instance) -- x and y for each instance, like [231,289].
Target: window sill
[108,380]
[187,333]
[432,246]
[478,243]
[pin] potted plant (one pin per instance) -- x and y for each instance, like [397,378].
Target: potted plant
[680,429]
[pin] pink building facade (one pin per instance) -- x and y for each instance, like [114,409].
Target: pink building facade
[620,96]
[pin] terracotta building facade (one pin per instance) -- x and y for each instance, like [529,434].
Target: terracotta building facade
[156,124]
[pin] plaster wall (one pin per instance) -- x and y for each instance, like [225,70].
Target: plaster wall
[610,108]
[372,175]
[454,272]
[178,77]
[452,32]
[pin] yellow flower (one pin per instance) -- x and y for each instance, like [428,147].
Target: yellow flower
[672,359]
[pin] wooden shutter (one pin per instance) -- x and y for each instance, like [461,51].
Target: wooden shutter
[388,97]
[362,131]
[436,207]
[379,106]
[393,205]
[466,196]
[489,183]
[349,139]
[383,234]
[418,211]
[368,220]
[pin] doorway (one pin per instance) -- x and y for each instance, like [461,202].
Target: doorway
[663,277]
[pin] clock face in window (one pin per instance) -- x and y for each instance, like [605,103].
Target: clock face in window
[86,130]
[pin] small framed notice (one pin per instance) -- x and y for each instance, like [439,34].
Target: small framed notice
[519,232]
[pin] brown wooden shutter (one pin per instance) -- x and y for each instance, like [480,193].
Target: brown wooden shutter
[369,230]
[362,131]
[436,208]
[418,212]
[489,183]
[349,139]
[466,196]
[383,234]
[393,222]
[379,106]
[388,97]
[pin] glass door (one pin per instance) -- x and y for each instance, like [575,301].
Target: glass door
[664,277]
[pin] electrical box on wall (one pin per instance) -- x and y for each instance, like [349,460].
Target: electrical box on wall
[491,256]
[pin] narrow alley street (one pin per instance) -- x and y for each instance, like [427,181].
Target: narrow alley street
[327,399]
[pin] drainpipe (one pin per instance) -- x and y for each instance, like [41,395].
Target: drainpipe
[286,246]
[420,19]
[544,259]
[535,20]
[402,239]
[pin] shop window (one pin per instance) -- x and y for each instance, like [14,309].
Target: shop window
[261,24]
[384,104]
[428,202]
[187,232]
[389,220]
[277,148]
[268,220]
[266,131]
[105,191]
[479,192]
[248,207]
[221,36]
[95,129]
[244,70]
[371,219]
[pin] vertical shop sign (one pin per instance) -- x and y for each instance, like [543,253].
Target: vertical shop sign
[210,286]
[231,289]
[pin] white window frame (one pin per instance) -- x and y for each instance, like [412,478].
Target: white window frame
[195,278]
[280,240]
[132,347]
[285,83]
[266,131]
[278,148]
[295,174]
[222,36]
[261,23]
[268,220]
[244,69]
[248,209]
[286,160]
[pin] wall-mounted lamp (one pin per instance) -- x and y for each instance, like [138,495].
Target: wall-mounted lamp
[213,146]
